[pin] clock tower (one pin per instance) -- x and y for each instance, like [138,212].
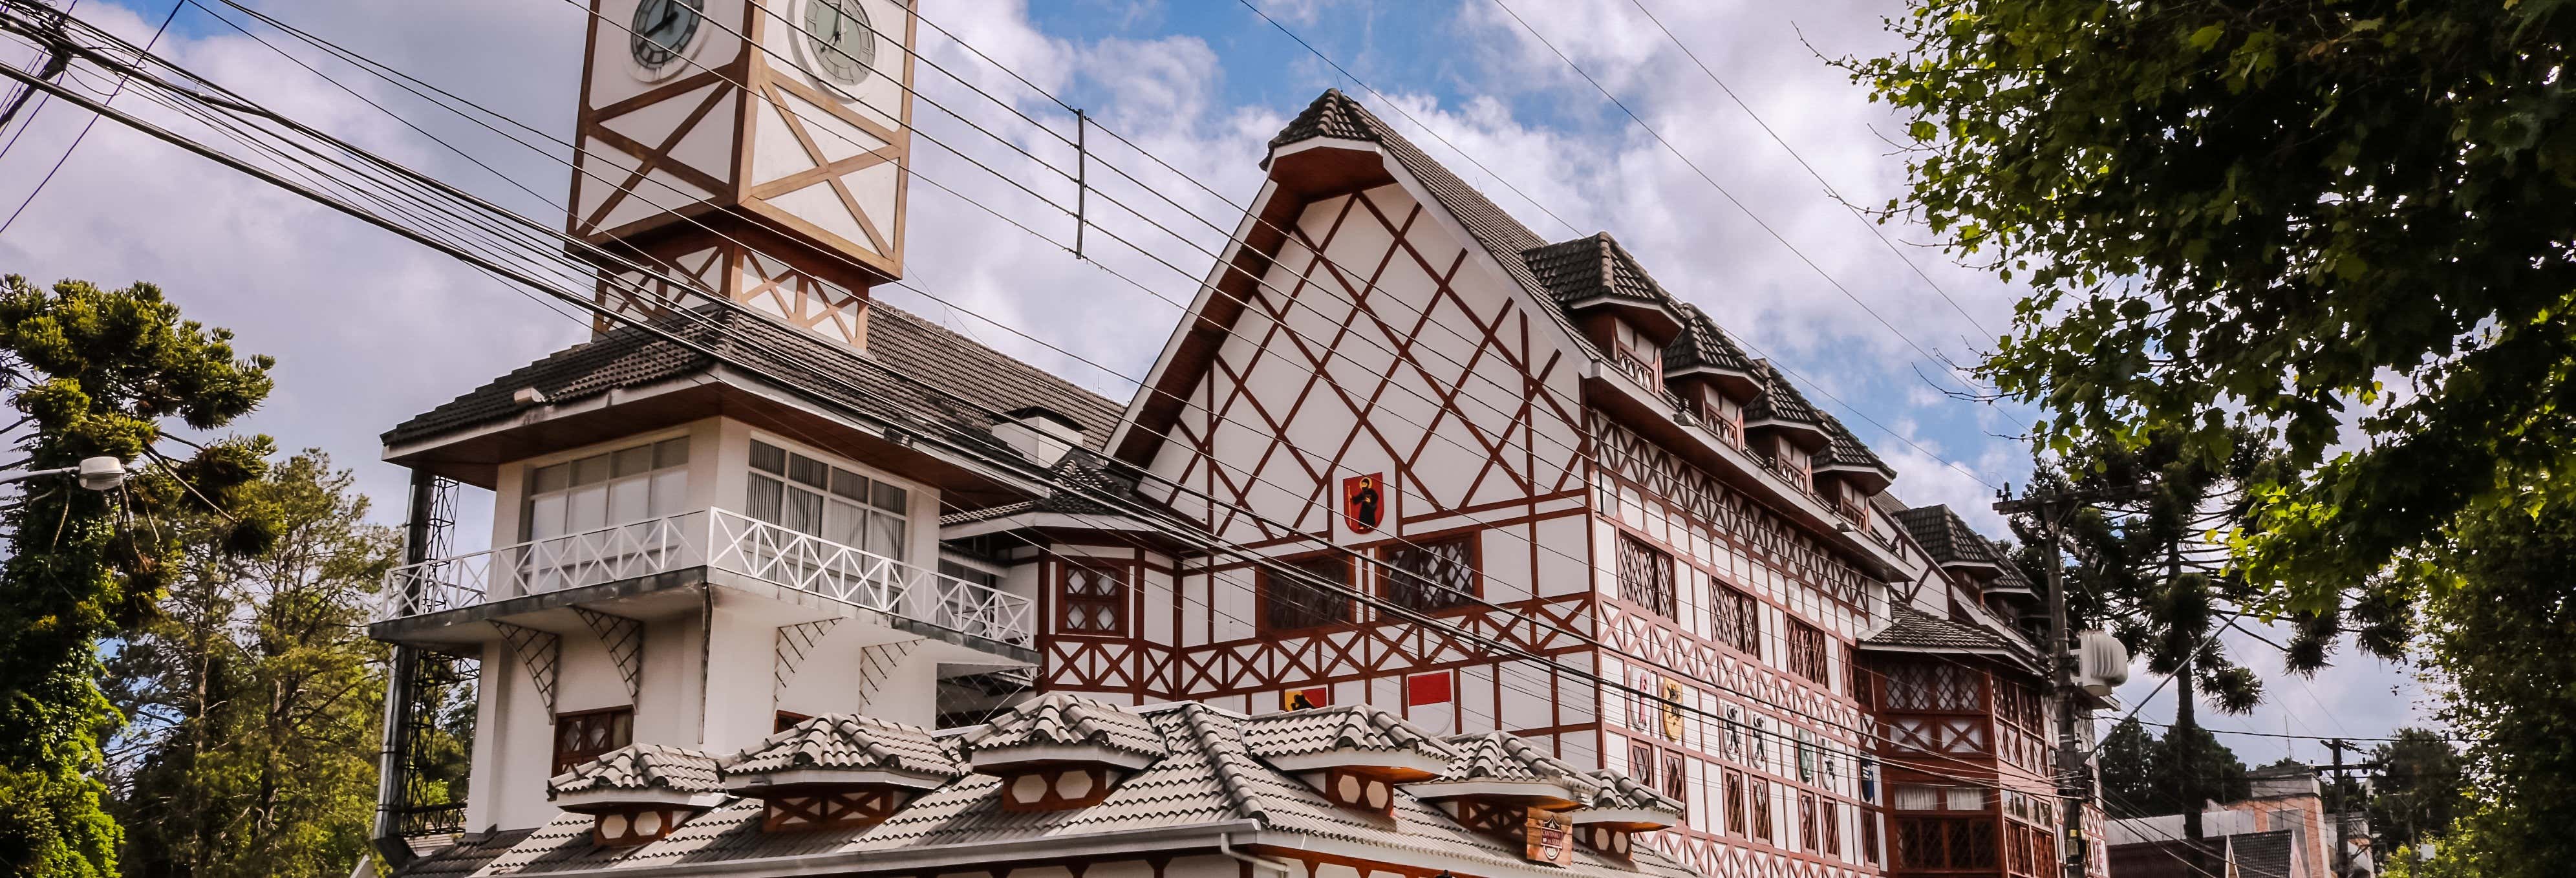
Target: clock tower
[753,149]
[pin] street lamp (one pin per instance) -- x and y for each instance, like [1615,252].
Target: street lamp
[100,473]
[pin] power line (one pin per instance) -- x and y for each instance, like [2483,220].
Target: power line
[85,126]
[1830,192]
[1731,198]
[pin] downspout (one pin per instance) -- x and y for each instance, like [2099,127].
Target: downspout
[1225,846]
[401,677]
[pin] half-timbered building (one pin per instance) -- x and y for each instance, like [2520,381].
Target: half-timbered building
[1423,537]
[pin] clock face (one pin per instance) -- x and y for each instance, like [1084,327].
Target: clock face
[844,45]
[662,29]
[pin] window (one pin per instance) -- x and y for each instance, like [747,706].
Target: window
[1645,576]
[1829,818]
[1091,599]
[806,495]
[1641,762]
[1761,809]
[1733,793]
[1859,690]
[581,737]
[1807,835]
[972,575]
[1869,836]
[1676,784]
[1737,620]
[1807,651]
[625,486]
[1429,576]
[787,719]
[1311,593]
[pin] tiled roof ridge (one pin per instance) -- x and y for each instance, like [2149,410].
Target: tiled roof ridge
[1620,790]
[642,767]
[1224,750]
[806,744]
[1060,718]
[1474,748]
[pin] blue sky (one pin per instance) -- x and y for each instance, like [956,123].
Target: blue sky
[370,330]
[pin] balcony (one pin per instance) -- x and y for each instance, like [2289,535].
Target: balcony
[715,540]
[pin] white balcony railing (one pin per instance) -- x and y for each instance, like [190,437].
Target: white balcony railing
[715,538]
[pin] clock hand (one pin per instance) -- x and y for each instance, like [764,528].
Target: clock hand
[670,13]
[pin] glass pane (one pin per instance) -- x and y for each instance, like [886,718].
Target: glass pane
[849,484]
[632,461]
[670,453]
[806,470]
[803,512]
[764,498]
[588,509]
[885,535]
[546,517]
[630,499]
[890,498]
[552,478]
[590,470]
[768,458]
[670,492]
[842,523]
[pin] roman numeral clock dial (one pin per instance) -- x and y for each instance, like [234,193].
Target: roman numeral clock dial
[843,41]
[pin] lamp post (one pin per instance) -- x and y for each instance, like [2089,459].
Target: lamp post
[100,473]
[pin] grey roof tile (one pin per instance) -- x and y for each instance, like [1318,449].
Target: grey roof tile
[1353,727]
[1057,718]
[913,372]
[1704,343]
[848,741]
[1911,628]
[641,767]
[1506,756]
[1946,538]
[1208,774]
[469,854]
[1618,790]
[1596,267]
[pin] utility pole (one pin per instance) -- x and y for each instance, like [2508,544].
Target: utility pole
[2336,806]
[58,57]
[2074,783]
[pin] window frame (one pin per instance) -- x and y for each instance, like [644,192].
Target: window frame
[1265,594]
[1735,617]
[1666,603]
[827,495]
[1472,558]
[565,759]
[1732,789]
[534,471]
[1123,603]
[1805,644]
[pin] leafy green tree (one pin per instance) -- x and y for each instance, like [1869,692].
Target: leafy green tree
[2417,789]
[2142,777]
[96,372]
[256,694]
[2291,217]
[2499,619]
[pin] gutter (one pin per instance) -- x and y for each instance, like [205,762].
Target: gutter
[1225,845]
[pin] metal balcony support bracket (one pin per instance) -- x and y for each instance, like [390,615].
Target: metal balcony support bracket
[541,653]
[624,638]
[795,642]
[878,662]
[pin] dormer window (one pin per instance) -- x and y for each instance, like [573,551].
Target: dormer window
[1355,755]
[1058,752]
[1640,357]
[839,771]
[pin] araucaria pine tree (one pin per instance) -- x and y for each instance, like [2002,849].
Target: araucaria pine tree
[96,372]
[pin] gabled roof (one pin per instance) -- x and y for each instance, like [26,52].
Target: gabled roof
[1844,449]
[1506,756]
[1207,782]
[905,352]
[1057,718]
[1704,343]
[1946,538]
[1621,791]
[1596,268]
[1083,469]
[1780,400]
[641,767]
[1343,727]
[848,741]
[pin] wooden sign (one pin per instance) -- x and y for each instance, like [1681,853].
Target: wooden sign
[1364,502]
[1672,709]
[1305,699]
[1551,837]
